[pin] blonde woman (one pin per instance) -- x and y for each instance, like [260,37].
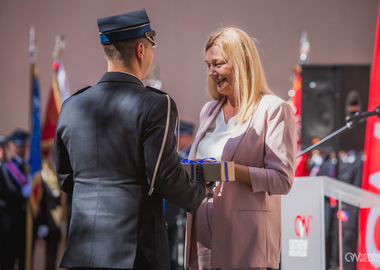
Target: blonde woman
[240,226]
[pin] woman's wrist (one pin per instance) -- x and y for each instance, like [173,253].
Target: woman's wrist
[242,174]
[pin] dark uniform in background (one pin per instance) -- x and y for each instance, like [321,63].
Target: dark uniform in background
[107,143]
[13,193]
[175,216]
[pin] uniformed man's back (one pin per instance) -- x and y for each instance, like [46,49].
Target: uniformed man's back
[114,143]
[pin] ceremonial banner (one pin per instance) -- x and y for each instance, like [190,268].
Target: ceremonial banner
[35,162]
[59,92]
[368,256]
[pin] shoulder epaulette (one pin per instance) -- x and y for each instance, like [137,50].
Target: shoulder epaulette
[81,90]
[156,90]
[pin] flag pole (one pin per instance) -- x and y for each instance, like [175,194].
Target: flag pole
[29,218]
[60,44]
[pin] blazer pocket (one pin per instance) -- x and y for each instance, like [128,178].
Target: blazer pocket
[259,201]
[251,235]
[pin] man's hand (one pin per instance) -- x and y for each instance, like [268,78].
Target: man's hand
[200,178]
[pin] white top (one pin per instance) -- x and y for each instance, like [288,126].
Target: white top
[212,144]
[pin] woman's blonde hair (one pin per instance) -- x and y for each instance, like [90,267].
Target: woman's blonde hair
[249,79]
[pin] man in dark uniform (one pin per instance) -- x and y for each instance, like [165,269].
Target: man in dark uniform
[19,143]
[13,193]
[115,156]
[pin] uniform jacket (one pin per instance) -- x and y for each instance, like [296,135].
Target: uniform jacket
[10,190]
[12,218]
[246,220]
[107,142]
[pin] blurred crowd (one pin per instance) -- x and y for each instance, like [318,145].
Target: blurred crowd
[15,191]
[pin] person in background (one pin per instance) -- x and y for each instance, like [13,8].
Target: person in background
[175,216]
[3,203]
[239,227]
[115,153]
[3,157]
[13,193]
[3,148]
[186,138]
[19,144]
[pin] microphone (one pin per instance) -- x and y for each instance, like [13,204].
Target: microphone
[361,115]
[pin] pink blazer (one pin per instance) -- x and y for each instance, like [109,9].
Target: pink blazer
[246,227]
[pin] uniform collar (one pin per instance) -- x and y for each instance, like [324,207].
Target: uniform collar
[120,77]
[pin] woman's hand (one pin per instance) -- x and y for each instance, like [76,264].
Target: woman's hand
[242,174]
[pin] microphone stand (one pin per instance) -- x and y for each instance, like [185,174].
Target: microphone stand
[351,121]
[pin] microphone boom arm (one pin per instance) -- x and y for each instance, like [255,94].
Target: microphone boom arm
[351,121]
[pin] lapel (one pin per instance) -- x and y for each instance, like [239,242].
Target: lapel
[236,138]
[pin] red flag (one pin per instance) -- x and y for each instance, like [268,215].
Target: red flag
[302,168]
[369,248]
[52,111]
[59,91]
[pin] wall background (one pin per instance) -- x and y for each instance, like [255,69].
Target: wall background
[340,31]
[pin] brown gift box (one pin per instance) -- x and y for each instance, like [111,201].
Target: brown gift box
[213,171]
